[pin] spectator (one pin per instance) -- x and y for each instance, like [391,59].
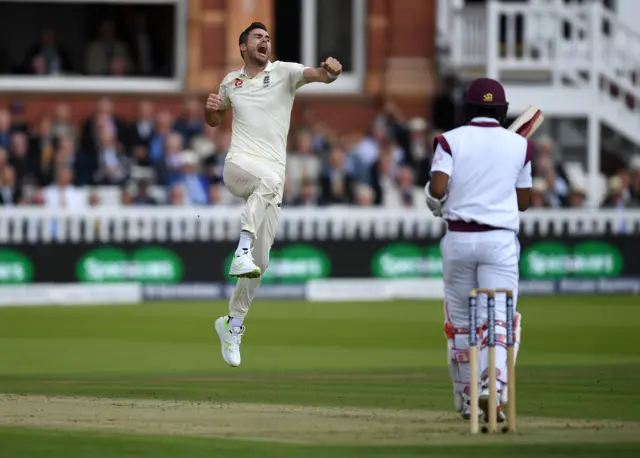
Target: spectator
[5,128]
[194,183]
[634,168]
[336,183]
[118,67]
[383,174]
[447,105]
[62,125]
[51,58]
[205,144]
[142,196]
[42,147]
[18,117]
[308,195]
[539,191]
[104,49]
[20,159]
[177,196]
[112,163]
[126,196]
[577,197]
[168,166]
[158,138]
[10,192]
[191,123]
[65,155]
[420,149]
[63,194]
[405,193]
[143,50]
[364,195]
[142,129]
[615,193]
[103,116]
[302,164]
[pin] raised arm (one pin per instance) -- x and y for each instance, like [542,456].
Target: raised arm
[327,72]
[216,107]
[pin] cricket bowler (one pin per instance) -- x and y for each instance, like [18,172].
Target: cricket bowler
[480,181]
[260,96]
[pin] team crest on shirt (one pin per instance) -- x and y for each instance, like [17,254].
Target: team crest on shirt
[266,81]
[237,83]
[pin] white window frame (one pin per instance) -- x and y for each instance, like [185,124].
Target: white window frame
[347,83]
[87,84]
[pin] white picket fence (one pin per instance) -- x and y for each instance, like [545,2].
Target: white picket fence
[158,224]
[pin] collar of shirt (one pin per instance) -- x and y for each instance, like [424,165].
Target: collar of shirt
[483,120]
[268,68]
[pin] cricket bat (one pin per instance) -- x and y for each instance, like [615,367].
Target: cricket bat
[528,122]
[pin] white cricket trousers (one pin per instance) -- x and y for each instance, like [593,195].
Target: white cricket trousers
[470,260]
[261,184]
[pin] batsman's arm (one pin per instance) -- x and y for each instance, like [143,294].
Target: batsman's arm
[441,168]
[525,180]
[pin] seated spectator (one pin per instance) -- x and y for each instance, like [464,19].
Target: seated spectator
[634,186]
[20,159]
[112,163]
[615,193]
[302,163]
[383,174]
[364,195]
[336,183]
[142,196]
[539,191]
[577,197]
[308,195]
[405,193]
[168,166]
[101,51]
[51,57]
[103,115]
[191,122]
[61,123]
[177,195]
[205,144]
[194,183]
[157,141]
[5,128]
[19,120]
[10,192]
[63,194]
[143,127]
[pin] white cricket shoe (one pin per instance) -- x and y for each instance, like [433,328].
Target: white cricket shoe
[242,266]
[230,339]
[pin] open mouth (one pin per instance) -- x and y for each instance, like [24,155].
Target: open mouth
[262,50]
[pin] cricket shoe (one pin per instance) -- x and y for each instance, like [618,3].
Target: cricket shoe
[230,339]
[465,412]
[242,265]
[483,401]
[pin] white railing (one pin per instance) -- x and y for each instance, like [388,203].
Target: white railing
[158,224]
[567,46]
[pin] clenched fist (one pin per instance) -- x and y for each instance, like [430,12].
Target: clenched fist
[332,66]
[214,103]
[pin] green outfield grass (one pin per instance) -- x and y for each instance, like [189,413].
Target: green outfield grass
[332,364]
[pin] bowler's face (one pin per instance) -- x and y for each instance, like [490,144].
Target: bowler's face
[259,46]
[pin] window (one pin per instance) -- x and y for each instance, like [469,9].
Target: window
[92,45]
[326,28]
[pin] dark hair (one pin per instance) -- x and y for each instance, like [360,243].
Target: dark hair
[245,33]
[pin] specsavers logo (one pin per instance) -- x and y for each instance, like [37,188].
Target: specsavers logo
[557,260]
[293,264]
[406,260]
[15,267]
[145,265]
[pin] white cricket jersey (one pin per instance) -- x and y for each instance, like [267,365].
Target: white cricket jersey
[485,164]
[261,109]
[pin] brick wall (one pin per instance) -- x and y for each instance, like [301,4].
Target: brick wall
[400,64]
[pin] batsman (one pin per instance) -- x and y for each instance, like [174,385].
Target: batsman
[480,181]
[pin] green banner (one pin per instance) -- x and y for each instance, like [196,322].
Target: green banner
[15,267]
[590,259]
[407,260]
[144,265]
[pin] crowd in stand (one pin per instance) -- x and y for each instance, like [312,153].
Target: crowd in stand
[158,159]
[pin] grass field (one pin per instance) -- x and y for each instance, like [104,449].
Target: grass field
[338,380]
